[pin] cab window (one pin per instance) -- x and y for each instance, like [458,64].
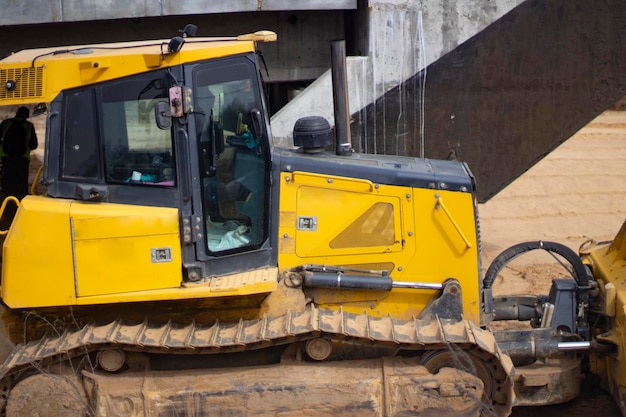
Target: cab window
[136,151]
[234,172]
[111,136]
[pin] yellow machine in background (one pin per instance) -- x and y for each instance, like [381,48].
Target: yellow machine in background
[607,261]
[178,264]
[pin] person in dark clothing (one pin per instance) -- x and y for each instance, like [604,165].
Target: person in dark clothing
[17,139]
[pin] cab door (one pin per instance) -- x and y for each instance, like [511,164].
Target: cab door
[233,159]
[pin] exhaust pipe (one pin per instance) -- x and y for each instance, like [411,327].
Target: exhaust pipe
[343,145]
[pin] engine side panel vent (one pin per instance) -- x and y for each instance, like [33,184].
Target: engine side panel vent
[24,82]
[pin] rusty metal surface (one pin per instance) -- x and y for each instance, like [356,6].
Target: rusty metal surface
[254,334]
[381,387]
[548,381]
[509,95]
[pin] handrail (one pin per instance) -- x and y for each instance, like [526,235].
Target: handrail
[332,178]
[3,206]
[438,204]
[33,187]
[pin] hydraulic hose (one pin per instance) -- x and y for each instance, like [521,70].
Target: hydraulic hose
[579,270]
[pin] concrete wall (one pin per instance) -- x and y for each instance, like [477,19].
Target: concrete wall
[404,37]
[500,99]
[477,80]
[302,52]
[395,39]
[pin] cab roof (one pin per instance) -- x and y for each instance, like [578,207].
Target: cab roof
[38,75]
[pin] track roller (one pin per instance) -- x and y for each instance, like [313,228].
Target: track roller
[319,349]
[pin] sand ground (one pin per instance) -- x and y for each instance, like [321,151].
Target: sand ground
[574,194]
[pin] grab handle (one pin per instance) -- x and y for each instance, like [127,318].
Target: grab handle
[439,204]
[3,207]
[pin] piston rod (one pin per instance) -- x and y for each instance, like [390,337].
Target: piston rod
[574,345]
[363,282]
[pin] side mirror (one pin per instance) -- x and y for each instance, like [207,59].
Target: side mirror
[257,123]
[162,115]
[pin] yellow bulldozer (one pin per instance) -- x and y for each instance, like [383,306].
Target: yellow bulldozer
[178,264]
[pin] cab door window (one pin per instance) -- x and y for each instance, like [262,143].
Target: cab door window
[232,159]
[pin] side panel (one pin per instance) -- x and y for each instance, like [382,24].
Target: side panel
[119,248]
[37,267]
[446,244]
[325,208]
[416,235]
[63,252]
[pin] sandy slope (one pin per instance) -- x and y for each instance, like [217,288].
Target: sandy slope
[576,193]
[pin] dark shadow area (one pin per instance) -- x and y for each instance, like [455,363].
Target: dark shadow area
[593,401]
[509,95]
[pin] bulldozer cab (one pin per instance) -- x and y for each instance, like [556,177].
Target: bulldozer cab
[181,137]
[155,170]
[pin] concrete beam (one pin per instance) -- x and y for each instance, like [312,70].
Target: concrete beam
[54,11]
[301,53]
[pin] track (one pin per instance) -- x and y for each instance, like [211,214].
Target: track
[413,335]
